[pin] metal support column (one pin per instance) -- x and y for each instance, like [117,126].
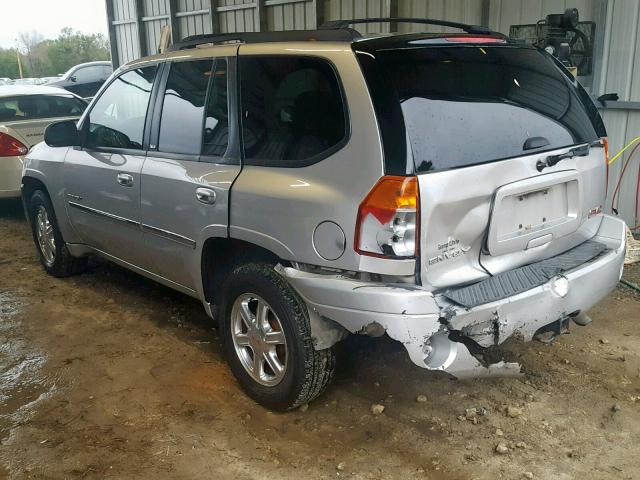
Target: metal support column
[213,14]
[261,16]
[319,6]
[173,22]
[142,38]
[115,61]
[485,12]
[393,13]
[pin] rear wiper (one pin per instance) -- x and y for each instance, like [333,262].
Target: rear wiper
[581,151]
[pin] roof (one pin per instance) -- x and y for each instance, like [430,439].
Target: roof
[334,31]
[16,90]
[88,64]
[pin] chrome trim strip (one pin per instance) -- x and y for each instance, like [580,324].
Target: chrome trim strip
[169,235]
[111,216]
[145,228]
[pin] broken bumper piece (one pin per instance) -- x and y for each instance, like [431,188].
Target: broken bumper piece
[423,323]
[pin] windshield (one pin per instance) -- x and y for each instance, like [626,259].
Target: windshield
[465,105]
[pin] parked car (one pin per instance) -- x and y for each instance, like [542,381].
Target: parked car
[25,112]
[443,189]
[5,81]
[84,79]
[47,80]
[27,81]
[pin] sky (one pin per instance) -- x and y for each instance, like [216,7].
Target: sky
[48,17]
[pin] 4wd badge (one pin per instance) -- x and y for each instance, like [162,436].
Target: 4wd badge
[452,248]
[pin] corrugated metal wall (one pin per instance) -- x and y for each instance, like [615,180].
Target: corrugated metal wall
[504,13]
[466,11]
[126,30]
[291,15]
[618,24]
[620,73]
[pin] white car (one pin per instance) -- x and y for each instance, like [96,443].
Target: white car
[25,112]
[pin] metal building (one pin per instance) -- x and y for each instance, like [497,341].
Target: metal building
[135,26]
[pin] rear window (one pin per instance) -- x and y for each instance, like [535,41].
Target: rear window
[31,107]
[292,110]
[465,105]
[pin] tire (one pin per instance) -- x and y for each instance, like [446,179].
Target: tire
[56,258]
[306,371]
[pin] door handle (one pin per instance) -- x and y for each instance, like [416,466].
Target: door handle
[125,179]
[206,195]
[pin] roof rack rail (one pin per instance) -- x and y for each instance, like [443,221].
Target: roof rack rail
[473,29]
[326,35]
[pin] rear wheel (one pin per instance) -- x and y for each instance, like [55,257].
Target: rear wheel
[268,341]
[54,254]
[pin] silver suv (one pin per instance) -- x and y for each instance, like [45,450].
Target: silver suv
[445,190]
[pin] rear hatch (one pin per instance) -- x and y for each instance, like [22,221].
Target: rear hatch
[506,146]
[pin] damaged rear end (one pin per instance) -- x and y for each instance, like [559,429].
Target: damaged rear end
[499,159]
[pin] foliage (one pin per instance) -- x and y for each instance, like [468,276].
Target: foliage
[47,58]
[9,64]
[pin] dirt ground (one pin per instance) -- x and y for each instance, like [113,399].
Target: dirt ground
[109,375]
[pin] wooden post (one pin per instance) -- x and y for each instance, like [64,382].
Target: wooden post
[19,63]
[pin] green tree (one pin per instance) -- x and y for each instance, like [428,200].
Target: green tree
[9,64]
[71,48]
[44,58]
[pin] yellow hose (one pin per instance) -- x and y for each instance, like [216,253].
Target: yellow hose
[615,157]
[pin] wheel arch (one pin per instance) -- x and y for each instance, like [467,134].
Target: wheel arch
[29,185]
[219,254]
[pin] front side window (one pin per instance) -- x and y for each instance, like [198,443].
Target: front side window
[183,107]
[30,107]
[292,110]
[117,118]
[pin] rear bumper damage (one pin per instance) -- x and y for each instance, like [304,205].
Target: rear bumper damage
[427,324]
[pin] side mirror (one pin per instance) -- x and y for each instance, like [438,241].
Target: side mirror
[73,78]
[62,134]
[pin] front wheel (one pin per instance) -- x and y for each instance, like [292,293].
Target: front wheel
[268,342]
[54,254]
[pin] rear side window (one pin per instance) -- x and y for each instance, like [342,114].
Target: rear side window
[216,123]
[183,107]
[465,105]
[88,74]
[31,107]
[292,110]
[118,116]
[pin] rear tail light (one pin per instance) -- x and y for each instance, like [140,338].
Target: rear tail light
[387,224]
[11,147]
[605,143]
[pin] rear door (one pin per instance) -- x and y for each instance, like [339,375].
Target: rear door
[192,162]
[102,179]
[482,122]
